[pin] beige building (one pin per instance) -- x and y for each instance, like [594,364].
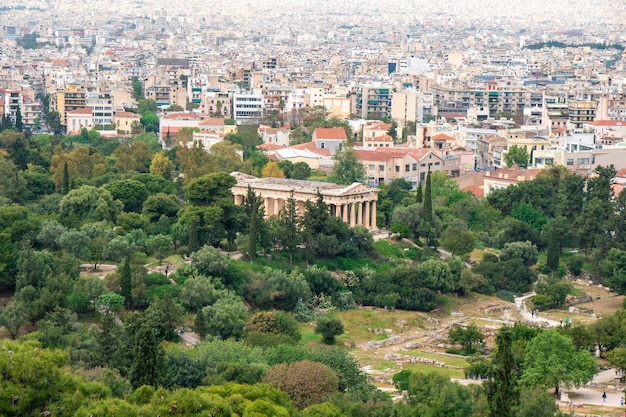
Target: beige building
[79,119]
[383,165]
[338,106]
[404,106]
[504,178]
[123,121]
[355,204]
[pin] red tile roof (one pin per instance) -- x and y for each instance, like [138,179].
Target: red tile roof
[330,133]
[84,110]
[127,115]
[212,121]
[182,116]
[607,123]
[381,138]
[442,136]
[270,147]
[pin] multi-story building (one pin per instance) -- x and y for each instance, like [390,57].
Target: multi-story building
[13,100]
[70,98]
[32,112]
[383,165]
[404,106]
[373,102]
[581,112]
[102,106]
[247,107]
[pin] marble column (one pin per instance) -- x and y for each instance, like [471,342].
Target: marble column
[368,222]
[373,215]
[276,206]
[338,210]
[344,208]
[266,206]
[353,214]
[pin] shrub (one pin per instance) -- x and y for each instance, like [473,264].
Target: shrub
[305,382]
[506,296]
[329,328]
[575,264]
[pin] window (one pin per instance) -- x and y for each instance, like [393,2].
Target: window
[422,165]
[583,161]
[414,167]
[397,168]
[371,167]
[407,168]
[436,163]
[381,168]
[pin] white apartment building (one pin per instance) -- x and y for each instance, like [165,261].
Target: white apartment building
[102,106]
[247,107]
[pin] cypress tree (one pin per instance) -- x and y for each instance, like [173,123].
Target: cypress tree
[145,367]
[502,392]
[126,282]
[200,324]
[420,197]
[428,202]
[193,236]
[65,187]
[19,124]
[253,214]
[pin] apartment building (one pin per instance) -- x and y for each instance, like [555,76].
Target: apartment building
[373,102]
[102,106]
[383,165]
[581,112]
[247,107]
[13,100]
[70,98]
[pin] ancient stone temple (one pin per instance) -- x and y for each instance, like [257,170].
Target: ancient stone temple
[355,204]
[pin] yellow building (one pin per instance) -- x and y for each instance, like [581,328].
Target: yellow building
[123,121]
[72,97]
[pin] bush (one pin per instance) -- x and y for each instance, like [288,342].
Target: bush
[329,328]
[305,382]
[575,264]
[157,278]
[506,296]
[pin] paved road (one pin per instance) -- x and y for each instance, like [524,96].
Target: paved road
[520,302]
[586,395]
[189,338]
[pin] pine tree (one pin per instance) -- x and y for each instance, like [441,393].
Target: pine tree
[126,282]
[419,196]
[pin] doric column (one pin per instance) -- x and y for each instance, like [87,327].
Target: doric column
[373,215]
[353,214]
[276,206]
[266,205]
[367,220]
[344,208]
[338,210]
[238,199]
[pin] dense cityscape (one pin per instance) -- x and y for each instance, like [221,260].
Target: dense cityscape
[312,208]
